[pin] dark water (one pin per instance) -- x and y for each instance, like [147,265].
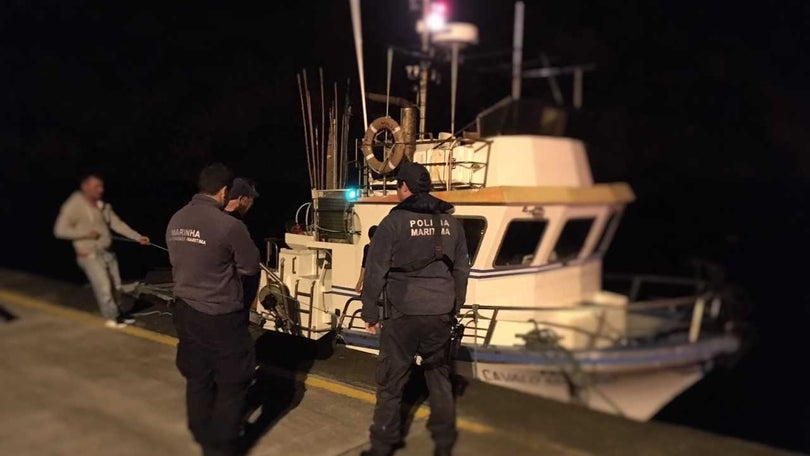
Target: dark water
[756,230]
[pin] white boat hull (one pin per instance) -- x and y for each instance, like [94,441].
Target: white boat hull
[635,383]
[638,396]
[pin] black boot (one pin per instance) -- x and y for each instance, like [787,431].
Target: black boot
[443,451]
[376,451]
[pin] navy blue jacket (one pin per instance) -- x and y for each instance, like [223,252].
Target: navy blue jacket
[404,236]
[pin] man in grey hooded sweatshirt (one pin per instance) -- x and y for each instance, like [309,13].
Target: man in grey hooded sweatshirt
[88,222]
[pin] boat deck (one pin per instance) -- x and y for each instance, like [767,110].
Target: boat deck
[71,386]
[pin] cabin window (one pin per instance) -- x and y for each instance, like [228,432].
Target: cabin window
[572,239]
[474,228]
[604,240]
[520,242]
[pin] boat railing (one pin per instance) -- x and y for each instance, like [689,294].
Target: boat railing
[444,176]
[352,317]
[687,315]
[633,285]
[272,250]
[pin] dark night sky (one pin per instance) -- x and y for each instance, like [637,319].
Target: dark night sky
[701,106]
[704,90]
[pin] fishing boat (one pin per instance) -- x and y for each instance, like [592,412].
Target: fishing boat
[540,315]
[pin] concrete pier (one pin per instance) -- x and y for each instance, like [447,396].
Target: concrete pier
[70,386]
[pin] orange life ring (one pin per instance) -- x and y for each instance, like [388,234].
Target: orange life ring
[390,163]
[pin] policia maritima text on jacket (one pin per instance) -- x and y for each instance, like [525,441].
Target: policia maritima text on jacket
[419,255]
[209,251]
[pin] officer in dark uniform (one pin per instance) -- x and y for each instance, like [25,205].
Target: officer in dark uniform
[242,195]
[419,256]
[209,251]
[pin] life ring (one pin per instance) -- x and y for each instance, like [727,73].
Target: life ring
[390,163]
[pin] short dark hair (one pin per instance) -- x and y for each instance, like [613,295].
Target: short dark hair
[371,231]
[213,178]
[90,175]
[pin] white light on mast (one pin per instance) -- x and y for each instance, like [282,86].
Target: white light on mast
[437,17]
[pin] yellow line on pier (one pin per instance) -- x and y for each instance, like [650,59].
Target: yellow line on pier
[314,381]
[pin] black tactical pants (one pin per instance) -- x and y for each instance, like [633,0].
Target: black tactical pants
[216,356]
[401,339]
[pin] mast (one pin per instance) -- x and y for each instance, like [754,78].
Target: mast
[358,45]
[517,51]
[424,67]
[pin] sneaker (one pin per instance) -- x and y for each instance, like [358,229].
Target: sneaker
[114,324]
[125,320]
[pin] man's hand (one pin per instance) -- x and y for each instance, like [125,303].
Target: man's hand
[143,240]
[358,288]
[93,235]
[373,329]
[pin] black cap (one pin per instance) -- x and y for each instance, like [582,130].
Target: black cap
[241,187]
[416,176]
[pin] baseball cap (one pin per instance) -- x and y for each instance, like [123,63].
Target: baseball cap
[242,187]
[416,176]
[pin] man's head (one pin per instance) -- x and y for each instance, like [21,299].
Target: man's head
[241,196]
[412,179]
[92,187]
[371,231]
[215,180]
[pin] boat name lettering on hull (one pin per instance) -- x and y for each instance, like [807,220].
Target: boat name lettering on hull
[536,377]
[491,375]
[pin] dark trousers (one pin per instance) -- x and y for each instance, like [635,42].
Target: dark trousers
[216,356]
[401,339]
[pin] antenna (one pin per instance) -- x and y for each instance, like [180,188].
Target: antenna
[424,65]
[455,35]
[552,81]
[306,133]
[358,46]
[517,51]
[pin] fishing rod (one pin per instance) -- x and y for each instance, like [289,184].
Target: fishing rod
[121,238]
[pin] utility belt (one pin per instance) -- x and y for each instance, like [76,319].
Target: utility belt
[456,328]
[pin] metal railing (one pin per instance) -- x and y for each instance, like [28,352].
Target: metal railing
[637,281]
[481,321]
[272,251]
[345,311]
[369,185]
[688,315]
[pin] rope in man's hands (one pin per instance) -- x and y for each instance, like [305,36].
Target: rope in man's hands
[151,244]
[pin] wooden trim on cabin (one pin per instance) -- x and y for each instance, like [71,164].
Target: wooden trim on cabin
[615,193]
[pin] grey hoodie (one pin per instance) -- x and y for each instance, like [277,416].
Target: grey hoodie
[209,250]
[78,218]
[404,236]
